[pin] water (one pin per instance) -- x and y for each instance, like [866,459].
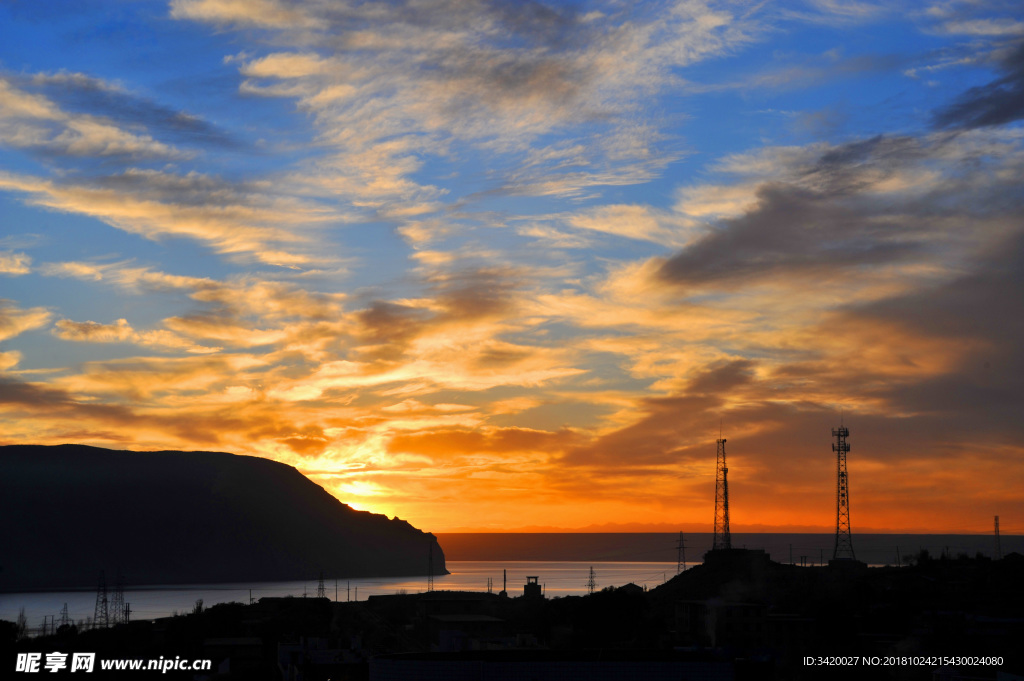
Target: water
[559,578]
[873,549]
[561,561]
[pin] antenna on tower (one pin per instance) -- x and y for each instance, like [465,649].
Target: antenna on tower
[321,592]
[681,560]
[998,554]
[101,616]
[722,538]
[844,542]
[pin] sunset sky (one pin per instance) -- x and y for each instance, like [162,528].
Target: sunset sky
[497,265]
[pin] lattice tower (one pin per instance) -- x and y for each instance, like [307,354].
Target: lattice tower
[844,542]
[101,616]
[722,538]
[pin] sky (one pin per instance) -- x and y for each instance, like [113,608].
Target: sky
[489,266]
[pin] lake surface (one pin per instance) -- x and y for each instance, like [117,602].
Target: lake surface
[562,563]
[873,549]
[559,578]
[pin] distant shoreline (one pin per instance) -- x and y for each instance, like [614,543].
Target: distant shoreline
[663,546]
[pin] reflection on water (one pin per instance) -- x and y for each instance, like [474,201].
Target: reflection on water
[149,602]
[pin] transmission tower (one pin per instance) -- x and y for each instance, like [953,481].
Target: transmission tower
[64,618]
[681,559]
[116,606]
[844,542]
[321,592]
[722,539]
[999,550]
[101,616]
[591,583]
[430,567]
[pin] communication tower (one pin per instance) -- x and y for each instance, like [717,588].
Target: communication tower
[722,539]
[681,558]
[321,592]
[844,542]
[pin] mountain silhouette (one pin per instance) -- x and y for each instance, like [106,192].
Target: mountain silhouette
[170,517]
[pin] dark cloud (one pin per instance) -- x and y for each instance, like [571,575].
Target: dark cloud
[391,323]
[723,377]
[658,438]
[57,402]
[457,442]
[474,293]
[785,443]
[527,23]
[793,231]
[922,414]
[857,206]
[81,93]
[982,310]
[500,356]
[996,103]
[460,296]
[536,20]
[192,189]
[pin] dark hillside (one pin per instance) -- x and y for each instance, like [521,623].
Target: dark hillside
[184,517]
